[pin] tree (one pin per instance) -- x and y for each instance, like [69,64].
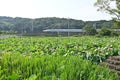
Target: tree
[107,6]
[90,30]
[116,24]
[107,32]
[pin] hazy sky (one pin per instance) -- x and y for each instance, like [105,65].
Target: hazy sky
[76,9]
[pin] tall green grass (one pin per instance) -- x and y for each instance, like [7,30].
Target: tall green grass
[19,67]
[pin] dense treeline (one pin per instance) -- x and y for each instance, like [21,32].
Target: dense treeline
[27,25]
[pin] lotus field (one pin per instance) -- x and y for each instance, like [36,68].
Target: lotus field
[57,58]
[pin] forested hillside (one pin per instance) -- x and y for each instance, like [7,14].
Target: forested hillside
[27,25]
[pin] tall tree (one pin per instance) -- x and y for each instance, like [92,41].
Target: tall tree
[110,6]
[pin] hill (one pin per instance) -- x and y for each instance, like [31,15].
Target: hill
[27,25]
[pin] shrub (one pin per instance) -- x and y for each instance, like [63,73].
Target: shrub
[90,30]
[107,32]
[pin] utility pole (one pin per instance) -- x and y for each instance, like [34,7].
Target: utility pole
[94,25]
[22,28]
[68,27]
[32,25]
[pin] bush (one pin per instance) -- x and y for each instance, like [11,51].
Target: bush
[113,33]
[107,32]
[90,30]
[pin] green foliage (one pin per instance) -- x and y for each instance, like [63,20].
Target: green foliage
[36,26]
[18,67]
[107,32]
[91,48]
[33,58]
[106,5]
[116,24]
[33,77]
[90,30]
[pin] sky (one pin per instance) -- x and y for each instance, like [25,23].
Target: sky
[75,9]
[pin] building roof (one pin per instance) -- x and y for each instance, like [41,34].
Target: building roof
[63,30]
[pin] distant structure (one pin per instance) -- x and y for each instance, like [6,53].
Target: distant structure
[64,30]
[58,31]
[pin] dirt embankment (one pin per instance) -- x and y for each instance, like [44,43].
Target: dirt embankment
[113,63]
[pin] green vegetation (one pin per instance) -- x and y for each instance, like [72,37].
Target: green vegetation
[94,49]
[15,67]
[107,6]
[59,58]
[34,58]
[36,26]
[108,32]
[90,30]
